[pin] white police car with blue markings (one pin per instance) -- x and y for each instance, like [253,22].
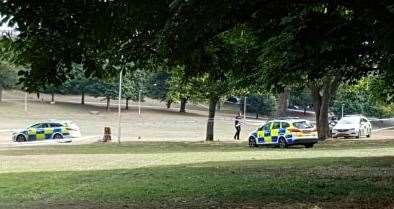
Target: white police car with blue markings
[48,131]
[284,133]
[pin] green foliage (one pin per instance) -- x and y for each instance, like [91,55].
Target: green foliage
[157,85]
[261,104]
[300,97]
[360,98]
[134,83]
[8,76]
[183,87]
[100,35]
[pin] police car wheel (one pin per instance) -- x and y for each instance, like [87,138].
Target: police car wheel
[282,143]
[252,142]
[358,135]
[21,138]
[308,145]
[369,134]
[58,136]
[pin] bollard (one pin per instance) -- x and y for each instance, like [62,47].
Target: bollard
[107,134]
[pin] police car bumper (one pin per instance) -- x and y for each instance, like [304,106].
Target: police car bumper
[14,136]
[350,133]
[305,140]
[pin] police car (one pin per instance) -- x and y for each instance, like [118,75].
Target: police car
[48,130]
[284,133]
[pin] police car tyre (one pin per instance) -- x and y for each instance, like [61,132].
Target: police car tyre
[57,136]
[358,135]
[282,143]
[309,145]
[369,134]
[20,138]
[252,142]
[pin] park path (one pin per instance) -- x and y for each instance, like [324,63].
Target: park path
[86,162]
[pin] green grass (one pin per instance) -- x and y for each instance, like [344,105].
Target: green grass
[173,147]
[220,182]
[368,180]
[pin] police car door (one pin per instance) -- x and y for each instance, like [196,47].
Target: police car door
[275,132]
[32,131]
[264,133]
[267,133]
[40,131]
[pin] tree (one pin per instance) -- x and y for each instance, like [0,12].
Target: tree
[78,83]
[53,35]
[283,103]
[134,86]
[363,97]
[8,78]
[157,85]
[261,104]
[182,88]
[312,48]
[225,59]
[320,44]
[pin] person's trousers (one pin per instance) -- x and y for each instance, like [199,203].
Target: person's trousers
[238,131]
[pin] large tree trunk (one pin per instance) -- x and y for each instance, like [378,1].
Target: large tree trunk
[183,105]
[127,103]
[211,118]
[168,104]
[283,103]
[321,94]
[82,97]
[1,93]
[53,97]
[108,103]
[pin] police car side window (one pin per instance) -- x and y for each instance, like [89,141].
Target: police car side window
[267,126]
[36,125]
[43,125]
[54,125]
[276,125]
[285,125]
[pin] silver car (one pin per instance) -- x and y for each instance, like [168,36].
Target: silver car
[352,126]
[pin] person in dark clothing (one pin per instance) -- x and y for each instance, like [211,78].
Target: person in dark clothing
[237,124]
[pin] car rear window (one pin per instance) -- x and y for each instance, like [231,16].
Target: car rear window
[54,125]
[302,124]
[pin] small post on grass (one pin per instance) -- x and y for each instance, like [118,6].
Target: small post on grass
[119,105]
[343,105]
[139,102]
[245,111]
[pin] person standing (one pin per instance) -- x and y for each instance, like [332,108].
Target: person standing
[237,124]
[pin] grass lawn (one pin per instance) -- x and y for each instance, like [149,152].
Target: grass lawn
[343,174]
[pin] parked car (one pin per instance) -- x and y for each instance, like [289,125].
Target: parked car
[48,130]
[352,126]
[285,132]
